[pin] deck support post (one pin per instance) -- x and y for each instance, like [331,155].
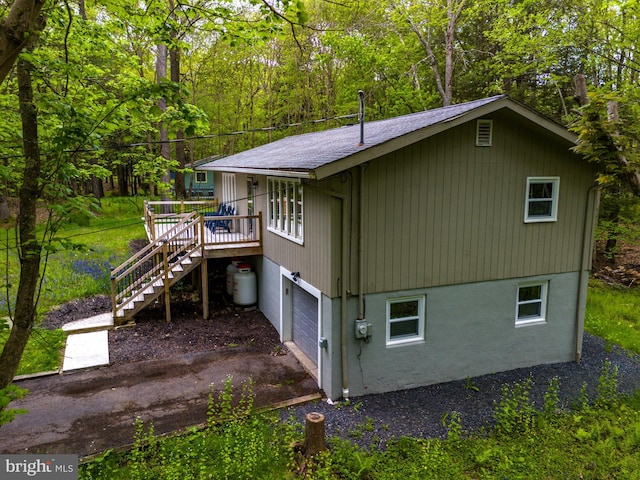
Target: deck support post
[204,283]
[167,287]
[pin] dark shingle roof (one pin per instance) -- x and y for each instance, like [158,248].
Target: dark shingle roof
[310,151]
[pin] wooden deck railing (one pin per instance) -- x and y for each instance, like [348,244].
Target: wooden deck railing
[153,263]
[167,212]
[231,230]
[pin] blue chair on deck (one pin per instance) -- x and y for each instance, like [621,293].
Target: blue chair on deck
[223,211]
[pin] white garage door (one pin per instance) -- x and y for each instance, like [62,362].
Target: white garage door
[305,322]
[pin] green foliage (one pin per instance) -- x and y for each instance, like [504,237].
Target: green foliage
[515,413]
[552,398]
[80,257]
[613,313]
[43,352]
[7,395]
[598,441]
[243,445]
[607,388]
[79,263]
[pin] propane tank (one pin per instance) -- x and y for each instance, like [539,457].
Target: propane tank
[244,286]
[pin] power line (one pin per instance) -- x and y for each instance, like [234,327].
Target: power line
[83,234]
[196,137]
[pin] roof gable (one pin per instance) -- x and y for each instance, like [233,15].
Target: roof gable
[325,153]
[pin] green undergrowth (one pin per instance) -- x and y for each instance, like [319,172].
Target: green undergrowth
[43,352]
[598,439]
[613,313]
[78,266]
[236,443]
[81,257]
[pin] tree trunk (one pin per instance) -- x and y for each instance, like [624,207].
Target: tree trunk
[444,87]
[631,175]
[96,188]
[165,151]
[82,9]
[174,58]
[5,212]
[29,248]
[123,181]
[15,29]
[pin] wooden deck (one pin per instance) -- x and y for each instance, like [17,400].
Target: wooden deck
[224,236]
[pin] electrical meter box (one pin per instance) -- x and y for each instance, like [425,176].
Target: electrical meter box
[362,328]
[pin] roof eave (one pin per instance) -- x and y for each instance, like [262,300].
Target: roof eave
[263,171]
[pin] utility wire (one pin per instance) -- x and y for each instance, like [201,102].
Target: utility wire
[196,137]
[83,234]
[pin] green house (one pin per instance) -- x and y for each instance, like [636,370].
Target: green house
[434,246]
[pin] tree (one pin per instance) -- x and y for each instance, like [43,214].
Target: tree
[29,246]
[611,141]
[86,103]
[16,30]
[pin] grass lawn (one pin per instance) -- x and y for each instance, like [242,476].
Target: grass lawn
[613,313]
[80,270]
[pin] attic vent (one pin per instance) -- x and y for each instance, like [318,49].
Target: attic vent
[484,131]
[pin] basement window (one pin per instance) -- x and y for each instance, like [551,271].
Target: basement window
[484,133]
[405,320]
[531,304]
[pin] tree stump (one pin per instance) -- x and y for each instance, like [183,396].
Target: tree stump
[314,434]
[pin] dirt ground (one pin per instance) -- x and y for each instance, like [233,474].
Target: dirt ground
[151,337]
[623,269]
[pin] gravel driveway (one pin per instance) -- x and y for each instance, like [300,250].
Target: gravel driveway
[375,419]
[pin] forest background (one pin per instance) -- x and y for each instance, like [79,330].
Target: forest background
[127,94]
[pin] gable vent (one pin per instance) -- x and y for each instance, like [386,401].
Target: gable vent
[484,131]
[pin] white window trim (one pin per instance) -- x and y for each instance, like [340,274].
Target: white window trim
[554,199]
[419,338]
[540,319]
[206,176]
[285,215]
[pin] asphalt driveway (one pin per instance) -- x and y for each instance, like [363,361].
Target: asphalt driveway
[91,411]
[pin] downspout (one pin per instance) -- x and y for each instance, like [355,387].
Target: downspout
[361,218]
[587,234]
[343,306]
[343,284]
[361,247]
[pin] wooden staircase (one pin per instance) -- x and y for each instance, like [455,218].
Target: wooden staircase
[151,272]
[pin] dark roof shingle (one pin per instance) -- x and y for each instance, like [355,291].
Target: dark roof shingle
[310,151]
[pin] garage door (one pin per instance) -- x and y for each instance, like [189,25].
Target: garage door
[305,322]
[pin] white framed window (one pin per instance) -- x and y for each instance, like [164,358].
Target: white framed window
[484,133]
[541,203]
[405,320]
[201,177]
[285,216]
[531,303]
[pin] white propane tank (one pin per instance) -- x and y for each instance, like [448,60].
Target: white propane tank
[244,286]
[232,268]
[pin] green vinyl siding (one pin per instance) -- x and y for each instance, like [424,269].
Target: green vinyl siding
[443,211]
[318,258]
